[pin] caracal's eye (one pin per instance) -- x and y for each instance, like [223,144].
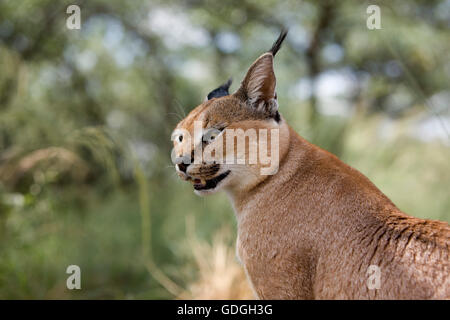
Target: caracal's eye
[211,135]
[177,136]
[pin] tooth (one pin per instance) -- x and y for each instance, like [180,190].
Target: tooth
[203,181]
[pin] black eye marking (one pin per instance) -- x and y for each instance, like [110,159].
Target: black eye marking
[277,117]
[220,91]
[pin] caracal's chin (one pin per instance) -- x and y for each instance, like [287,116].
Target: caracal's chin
[212,185]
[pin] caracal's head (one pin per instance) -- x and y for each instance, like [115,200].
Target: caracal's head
[233,141]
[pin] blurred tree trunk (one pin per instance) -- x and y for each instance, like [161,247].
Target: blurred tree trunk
[325,19]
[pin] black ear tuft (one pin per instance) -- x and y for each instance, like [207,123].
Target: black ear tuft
[220,91]
[277,44]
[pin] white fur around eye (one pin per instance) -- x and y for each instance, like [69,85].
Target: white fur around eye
[178,138]
[210,135]
[179,135]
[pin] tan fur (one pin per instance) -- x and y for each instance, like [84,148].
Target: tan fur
[312,230]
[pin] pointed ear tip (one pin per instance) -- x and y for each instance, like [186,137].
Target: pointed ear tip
[264,56]
[277,44]
[220,91]
[229,82]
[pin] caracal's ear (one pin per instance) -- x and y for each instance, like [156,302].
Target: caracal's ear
[258,87]
[220,91]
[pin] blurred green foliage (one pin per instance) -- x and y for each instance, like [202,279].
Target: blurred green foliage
[86,117]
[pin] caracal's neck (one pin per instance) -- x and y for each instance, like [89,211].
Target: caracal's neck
[289,152]
[307,169]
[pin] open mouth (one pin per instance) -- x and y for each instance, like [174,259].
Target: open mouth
[209,184]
